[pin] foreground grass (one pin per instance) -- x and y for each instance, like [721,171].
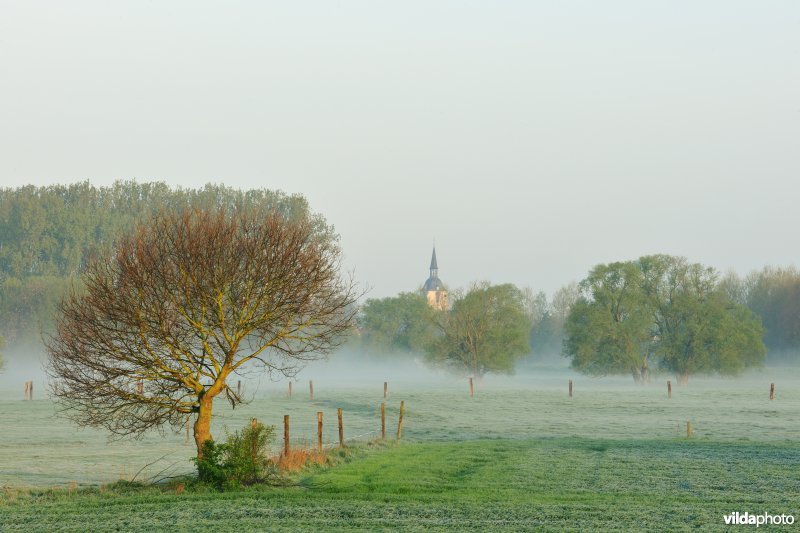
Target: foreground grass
[558,484]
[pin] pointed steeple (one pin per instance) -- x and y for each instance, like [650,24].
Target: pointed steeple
[434,289]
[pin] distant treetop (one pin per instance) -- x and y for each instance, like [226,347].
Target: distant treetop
[49,231]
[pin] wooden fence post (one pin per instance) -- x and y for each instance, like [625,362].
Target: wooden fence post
[29,390]
[383,421]
[319,431]
[400,421]
[771,391]
[669,389]
[286,446]
[688,430]
[385,388]
[341,428]
[570,388]
[471,388]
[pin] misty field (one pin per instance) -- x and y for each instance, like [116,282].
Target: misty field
[520,454]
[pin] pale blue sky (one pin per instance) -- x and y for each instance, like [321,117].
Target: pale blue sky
[532,140]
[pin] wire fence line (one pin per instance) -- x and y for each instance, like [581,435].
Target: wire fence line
[307,431]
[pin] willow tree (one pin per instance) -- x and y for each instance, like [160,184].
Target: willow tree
[609,330]
[660,311]
[485,331]
[185,302]
[700,329]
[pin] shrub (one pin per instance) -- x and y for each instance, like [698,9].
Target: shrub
[241,460]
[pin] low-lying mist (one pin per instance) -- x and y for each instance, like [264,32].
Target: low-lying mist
[353,368]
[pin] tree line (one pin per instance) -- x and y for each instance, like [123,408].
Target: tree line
[658,313]
[48,234]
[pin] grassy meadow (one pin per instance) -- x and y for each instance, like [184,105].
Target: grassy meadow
[521,454]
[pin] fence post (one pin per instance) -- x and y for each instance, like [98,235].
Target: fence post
[400,421]
[286,435]
[771,391]
[253,442]
[570,388]
[385,388]
[669,389]
[311,389]
[290,388]
[471,388]
[319,431]
[688,430]
[341,428]
[383,421]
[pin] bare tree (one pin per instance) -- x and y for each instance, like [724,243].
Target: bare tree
[187,301]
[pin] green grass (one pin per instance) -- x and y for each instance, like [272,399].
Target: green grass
[40,449]
[556,484]
[519,455]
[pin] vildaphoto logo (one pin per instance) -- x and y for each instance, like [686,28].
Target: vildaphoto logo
[747,519]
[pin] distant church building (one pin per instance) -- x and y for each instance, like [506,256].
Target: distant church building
[434,288]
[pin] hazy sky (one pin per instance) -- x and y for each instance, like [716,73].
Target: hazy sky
[531,140]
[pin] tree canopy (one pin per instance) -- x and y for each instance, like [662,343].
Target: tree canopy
[610,330]
[187,300]
[663,310]
[774,295]
[486,330]
[403,323]
[548,319]
[48,233]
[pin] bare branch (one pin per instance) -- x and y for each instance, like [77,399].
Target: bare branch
[185,301]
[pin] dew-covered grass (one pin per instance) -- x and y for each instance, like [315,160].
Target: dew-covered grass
[518,455]
[555,484]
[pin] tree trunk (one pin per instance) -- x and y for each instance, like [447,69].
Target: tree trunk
[683,378]
[202,426]
[641,376]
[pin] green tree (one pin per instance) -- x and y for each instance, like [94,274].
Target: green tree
[609,330]
[547,332]
[698,326]
[47,235]
[401,323]
[660,310]
[774,295]
[486,330]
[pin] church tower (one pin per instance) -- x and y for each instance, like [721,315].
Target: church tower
[434,288]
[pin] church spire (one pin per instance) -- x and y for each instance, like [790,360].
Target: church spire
[434,289]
